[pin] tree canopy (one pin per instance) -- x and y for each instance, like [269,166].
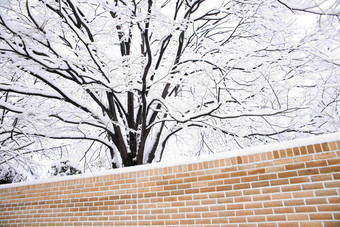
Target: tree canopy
[130,76]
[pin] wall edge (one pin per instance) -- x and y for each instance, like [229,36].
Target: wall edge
[329,137]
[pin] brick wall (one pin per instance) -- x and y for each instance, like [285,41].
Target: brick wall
[291,186]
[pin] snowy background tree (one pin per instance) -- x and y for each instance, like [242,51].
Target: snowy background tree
[131,81]
[64,168]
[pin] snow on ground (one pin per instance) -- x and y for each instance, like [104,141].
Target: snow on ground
[175,162]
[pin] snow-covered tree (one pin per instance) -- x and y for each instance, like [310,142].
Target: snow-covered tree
[9,175]
[130,75]
[64,168]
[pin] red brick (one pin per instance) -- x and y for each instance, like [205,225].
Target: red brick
[256,171]
[241,186]
[276,218]
[229,169]
[242,199]
[253,205]
[316,201]
[304,158]
[283,161]
[326,192]
[317,148]
[256,218]
[176,192]
[266,225]
[312,186]
[196,209]
[303,194]
[237,219]
[241,225]
[263,211]
[271,190]
[334,161]
[324,156]
[289,224]
[232,181]
[189,215]
[295,166]
[246,159]
[311,224]
[208,201]
[333,146]
[216,195]
[323,177]
[248,166]
[209,215]
[182,222]
[331,224]
[175,181]
[226,200]
[325,146]
[334,199]
[264,164]
[296,151]
[275,169]
[261,198]
[287,195]
[226,213]
[235,206]
[238,174]
[321,216]
[215,182]
[253,158]
[295,217]
[297,180]
[305,209]
[291,188]
[171,222]
[336,176]
[273,204]
[287,174]
[251,191]
[330,169]
[244,212]
[233,193]
[202,221]
[310,149]
[207,189]
[190,179]
[260,184]
[221,175]
[268,176]
[283,210]
[283,153]
[279,182]
[303,150]
[332,207]
[294,202]
[289,152]
[217,207]
[249,179]
[316,163]
[308,172]
[336,215]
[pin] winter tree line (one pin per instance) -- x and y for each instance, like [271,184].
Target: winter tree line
[128,82]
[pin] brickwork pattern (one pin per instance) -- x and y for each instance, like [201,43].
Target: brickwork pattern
[296,186]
